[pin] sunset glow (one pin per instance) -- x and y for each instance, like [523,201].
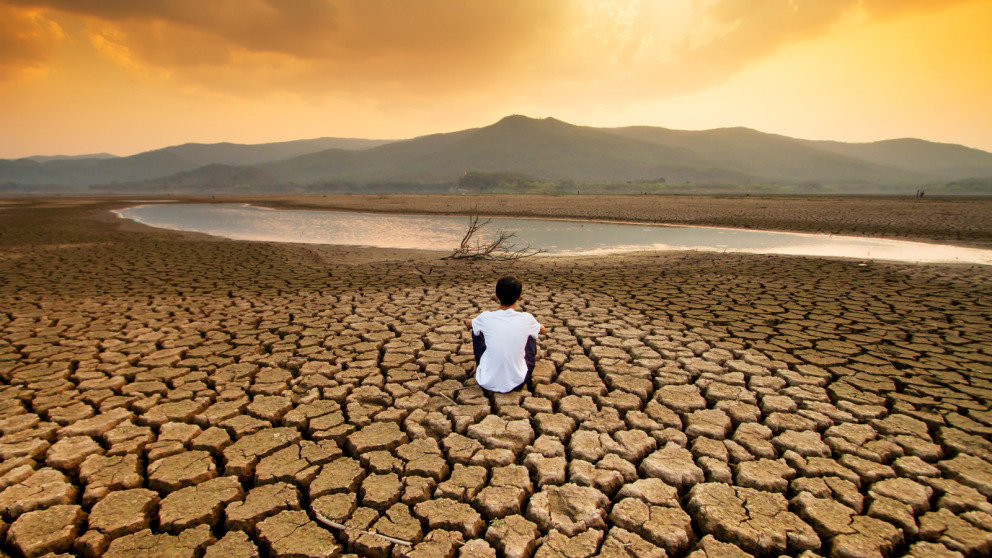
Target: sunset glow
[119,76]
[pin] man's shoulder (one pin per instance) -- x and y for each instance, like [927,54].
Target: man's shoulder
[484,314]
[526,320]
[522,316]
[506,317]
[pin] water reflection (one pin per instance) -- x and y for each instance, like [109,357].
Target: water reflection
[243,222]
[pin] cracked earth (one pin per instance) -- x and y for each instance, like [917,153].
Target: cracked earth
[171,395]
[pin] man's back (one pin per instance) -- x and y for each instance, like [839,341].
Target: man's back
[505,333]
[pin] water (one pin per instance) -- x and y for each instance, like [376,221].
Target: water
[244,222]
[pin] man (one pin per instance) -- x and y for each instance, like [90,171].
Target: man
[504,341]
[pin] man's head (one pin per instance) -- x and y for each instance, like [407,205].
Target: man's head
[508,290]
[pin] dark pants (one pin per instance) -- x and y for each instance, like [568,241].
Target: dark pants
[530,353]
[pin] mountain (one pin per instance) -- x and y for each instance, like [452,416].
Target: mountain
[939,161]
[521,154]
[199,154]
[162,162]
[545,149]
[46,158]
[552,150]
[774,158]
[214,177]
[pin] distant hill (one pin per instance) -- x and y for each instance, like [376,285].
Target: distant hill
[938,161]
[968,186]
[544,149]
[46,158]
[214,177]
[199,154]
[526,154]
[162,162]
[774,158]
[548,149]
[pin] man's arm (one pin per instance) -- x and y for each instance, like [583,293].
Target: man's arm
[468,324]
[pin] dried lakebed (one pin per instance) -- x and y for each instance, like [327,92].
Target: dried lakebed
[162,396]
[556,237]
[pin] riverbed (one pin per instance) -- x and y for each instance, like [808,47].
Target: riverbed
[550,236]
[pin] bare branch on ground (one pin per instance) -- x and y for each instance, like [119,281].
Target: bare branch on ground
[499,248]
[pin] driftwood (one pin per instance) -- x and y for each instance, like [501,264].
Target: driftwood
[343,527]
[499,248]
[453,402]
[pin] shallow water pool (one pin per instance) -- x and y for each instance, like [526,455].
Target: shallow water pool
[555,237]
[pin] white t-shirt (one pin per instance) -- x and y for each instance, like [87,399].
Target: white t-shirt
[502,367]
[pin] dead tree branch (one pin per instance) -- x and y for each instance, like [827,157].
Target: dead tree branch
[499,248]
[344,527]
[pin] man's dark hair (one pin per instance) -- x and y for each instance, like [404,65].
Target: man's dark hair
[508,290]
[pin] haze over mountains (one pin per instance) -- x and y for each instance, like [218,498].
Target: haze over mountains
[104,169]
[524,153]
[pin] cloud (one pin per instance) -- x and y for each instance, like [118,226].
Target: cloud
[754,29]
[310,47]
[27,40]
[720,38]
[319,29]
[444,48]
[889,9]
[757,28]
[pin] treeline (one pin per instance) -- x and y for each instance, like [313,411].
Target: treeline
[491,182]
[973,186]
[500,181]
[386,187]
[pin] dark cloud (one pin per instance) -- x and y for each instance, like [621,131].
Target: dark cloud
[438,47]
[323,29]
[358,47]
[297,27]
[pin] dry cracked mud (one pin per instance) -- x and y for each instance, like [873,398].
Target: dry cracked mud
[173,395]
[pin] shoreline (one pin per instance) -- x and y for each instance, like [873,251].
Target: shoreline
[951,221]
[604,252]
[785,213]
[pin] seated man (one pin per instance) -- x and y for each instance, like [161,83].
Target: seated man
[504,341]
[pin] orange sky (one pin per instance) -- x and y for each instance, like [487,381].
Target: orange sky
[123,76]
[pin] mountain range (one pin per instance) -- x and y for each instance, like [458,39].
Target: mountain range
[535,153]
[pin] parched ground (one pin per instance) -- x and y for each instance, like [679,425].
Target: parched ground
[173,395]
